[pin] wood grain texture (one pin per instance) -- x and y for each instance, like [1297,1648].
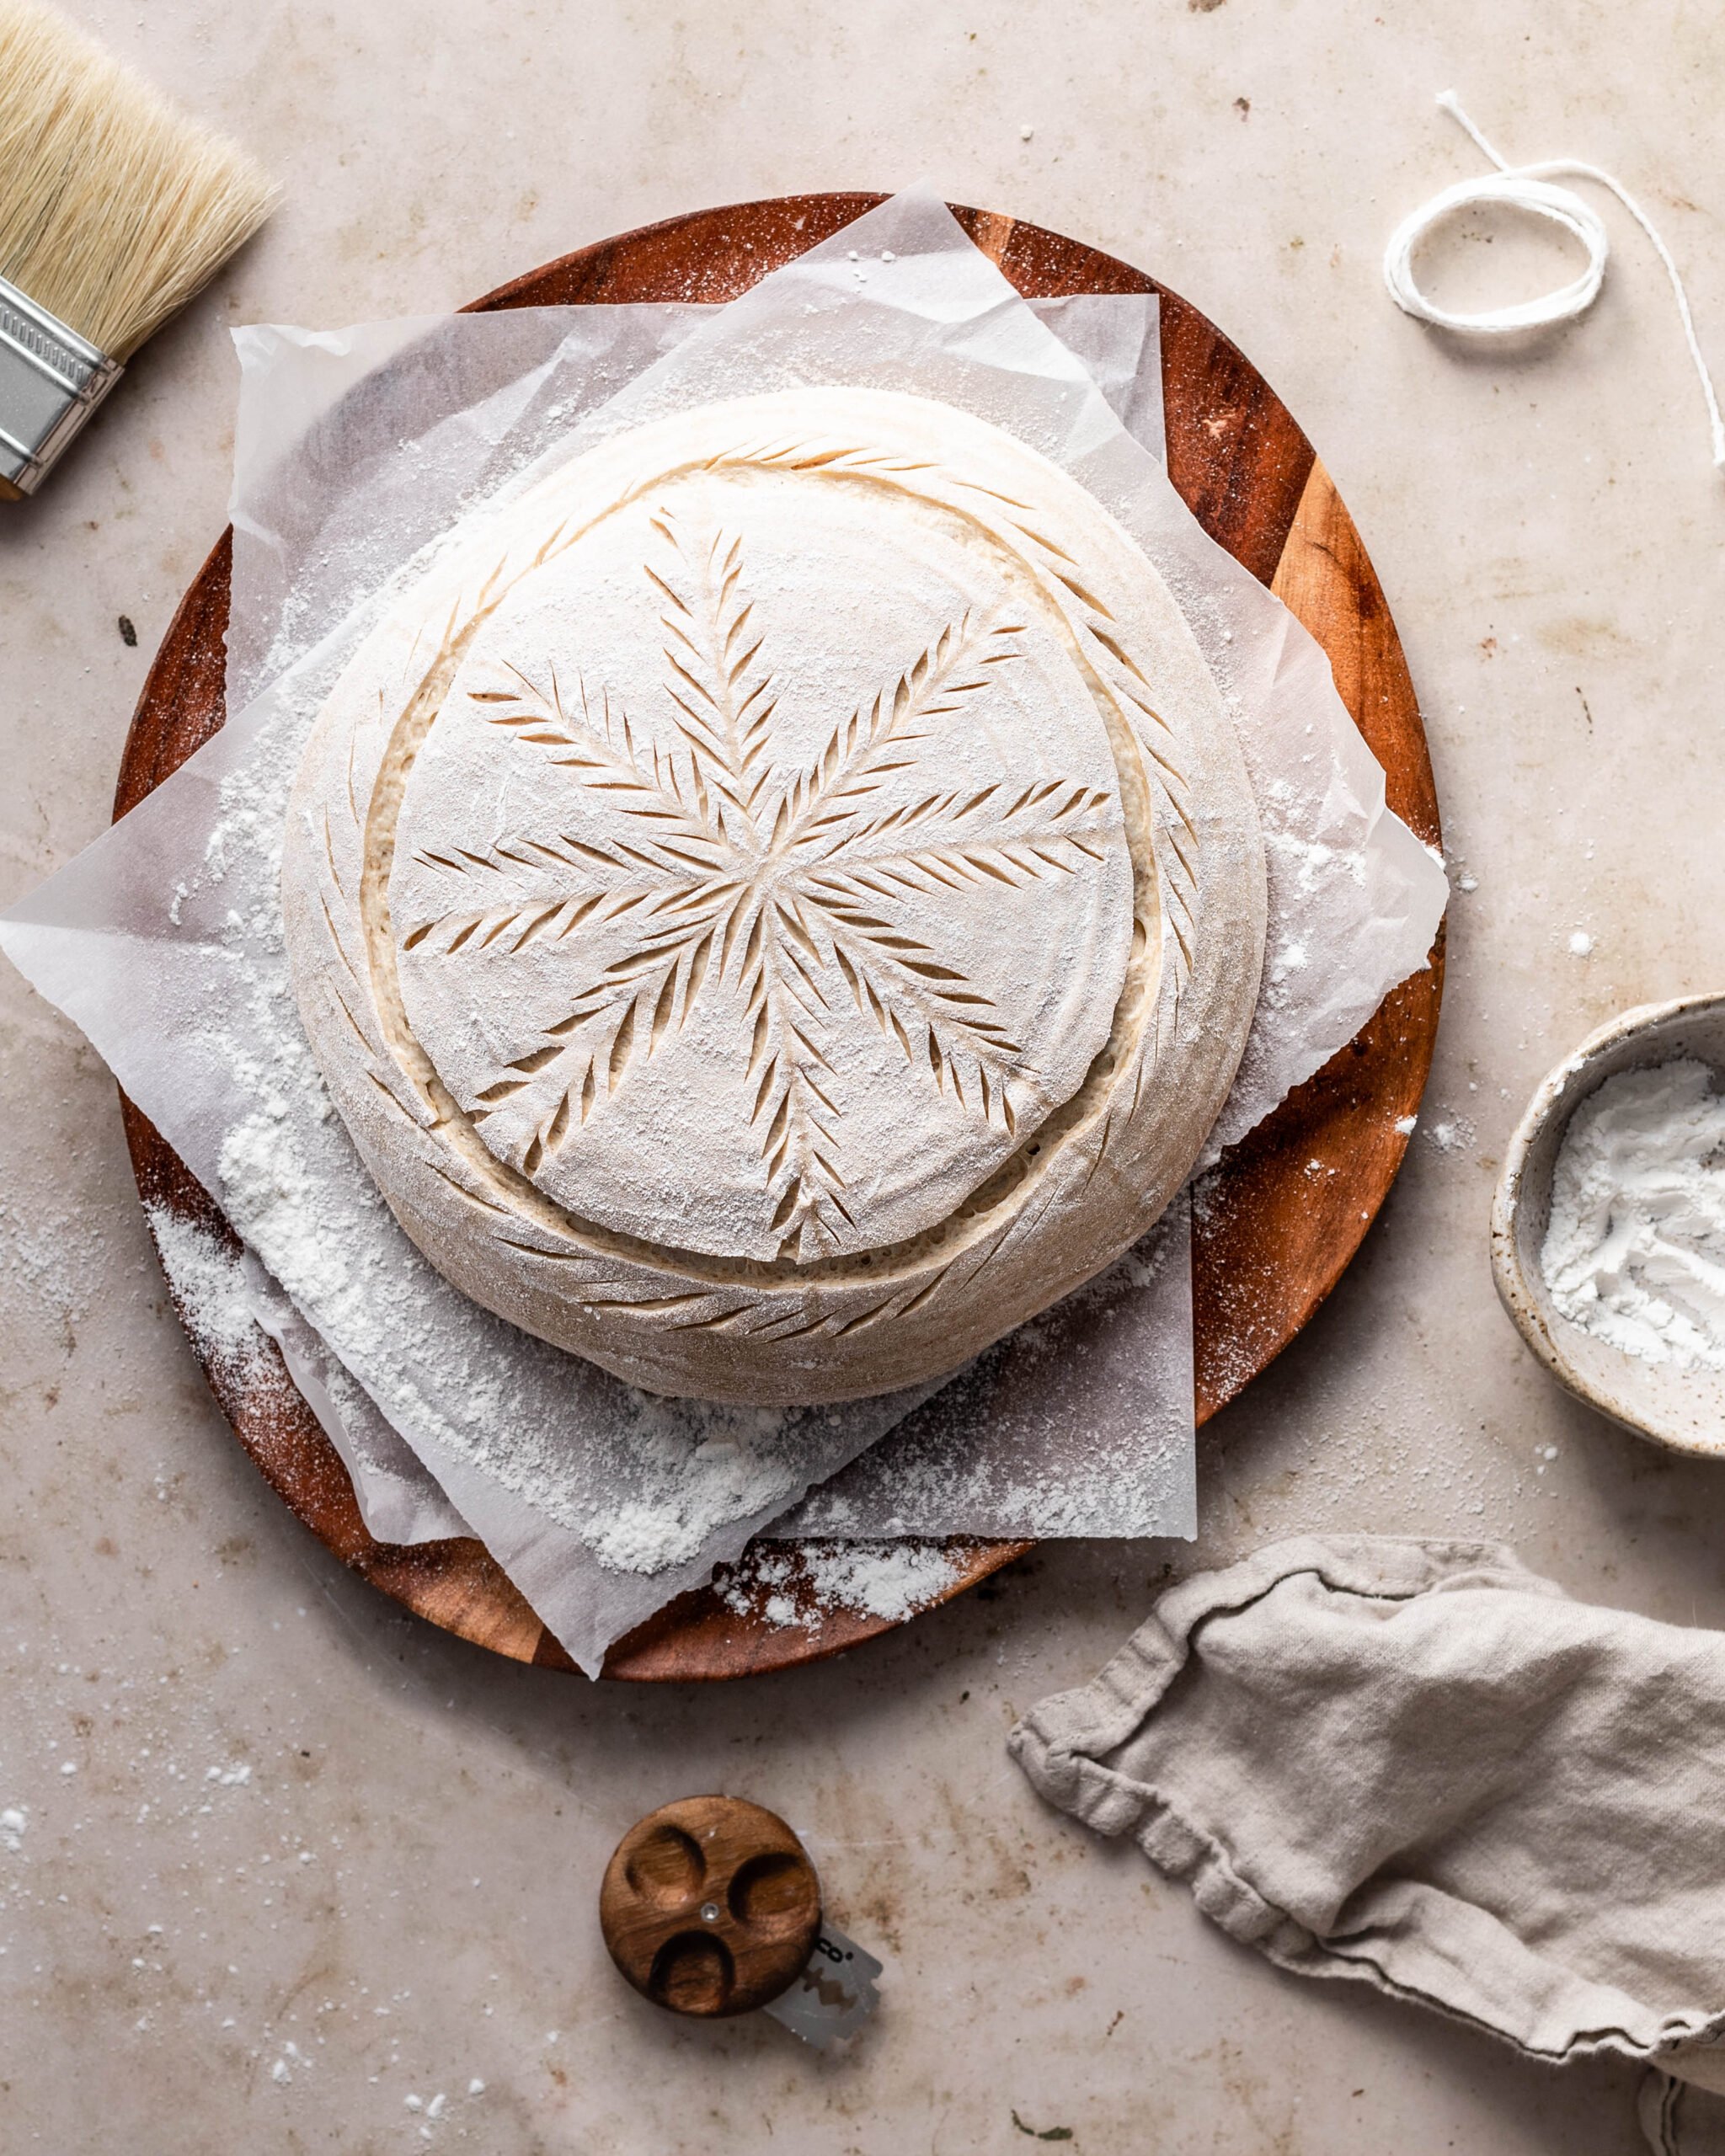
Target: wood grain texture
[184,696]
[710,1906]
[1270,1238]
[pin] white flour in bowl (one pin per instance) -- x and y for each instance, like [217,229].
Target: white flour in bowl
[1635,1251]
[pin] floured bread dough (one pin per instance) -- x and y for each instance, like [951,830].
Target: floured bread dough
[788,906]
[757,924]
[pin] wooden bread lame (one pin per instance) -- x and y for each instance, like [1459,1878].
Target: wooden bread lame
[710,1906]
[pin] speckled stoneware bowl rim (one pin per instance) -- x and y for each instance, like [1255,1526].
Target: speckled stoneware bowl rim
[1523,1197]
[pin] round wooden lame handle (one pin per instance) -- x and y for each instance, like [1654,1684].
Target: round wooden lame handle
[710,1906]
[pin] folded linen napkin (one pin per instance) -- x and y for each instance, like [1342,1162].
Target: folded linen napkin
[1420,1765]
[1679,2119]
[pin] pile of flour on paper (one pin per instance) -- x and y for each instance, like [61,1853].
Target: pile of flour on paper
[1635,1253]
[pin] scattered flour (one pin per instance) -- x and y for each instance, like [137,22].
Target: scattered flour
[1290,957]
[1581,945]
[55,1259]
[696,1487]
[645,1484]
[1301,867]
[1635,1253]
[13,1820]
[209,1284]
[654,1481]
[1309,863]
[793,1588]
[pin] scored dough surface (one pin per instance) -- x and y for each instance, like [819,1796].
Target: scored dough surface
[747,921]
[783,903]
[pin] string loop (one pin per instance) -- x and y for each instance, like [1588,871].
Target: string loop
[1528,187]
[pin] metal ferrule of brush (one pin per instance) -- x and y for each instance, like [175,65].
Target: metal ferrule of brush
[51,382]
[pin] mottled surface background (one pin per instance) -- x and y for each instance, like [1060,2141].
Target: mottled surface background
[291,1858]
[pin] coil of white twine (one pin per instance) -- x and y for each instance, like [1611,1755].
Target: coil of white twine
[1527,187]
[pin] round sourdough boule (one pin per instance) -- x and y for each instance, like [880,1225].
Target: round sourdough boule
[785,904]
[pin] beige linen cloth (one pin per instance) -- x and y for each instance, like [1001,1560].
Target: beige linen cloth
[1420,1765]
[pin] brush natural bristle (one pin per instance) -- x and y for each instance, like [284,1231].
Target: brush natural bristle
[115,208]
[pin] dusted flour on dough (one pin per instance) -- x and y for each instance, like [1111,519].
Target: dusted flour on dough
[762,882]
[1635,1253]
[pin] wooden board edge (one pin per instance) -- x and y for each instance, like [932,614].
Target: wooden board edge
[1241,1320]
[1285,515]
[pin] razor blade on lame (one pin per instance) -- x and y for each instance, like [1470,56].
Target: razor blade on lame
[51,380]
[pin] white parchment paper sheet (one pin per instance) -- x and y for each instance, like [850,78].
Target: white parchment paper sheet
[564,1474]
[371,440]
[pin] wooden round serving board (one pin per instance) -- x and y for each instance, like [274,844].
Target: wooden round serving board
[1273,1238]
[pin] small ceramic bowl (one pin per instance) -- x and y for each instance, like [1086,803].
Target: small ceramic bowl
[1679,1407]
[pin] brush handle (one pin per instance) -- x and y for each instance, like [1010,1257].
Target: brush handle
[51,380]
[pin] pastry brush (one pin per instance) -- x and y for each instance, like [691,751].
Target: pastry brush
[115,209]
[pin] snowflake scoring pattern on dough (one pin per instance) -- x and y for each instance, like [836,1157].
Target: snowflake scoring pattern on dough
[782,893]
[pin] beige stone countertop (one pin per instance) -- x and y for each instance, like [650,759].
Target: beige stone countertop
[292,1859]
